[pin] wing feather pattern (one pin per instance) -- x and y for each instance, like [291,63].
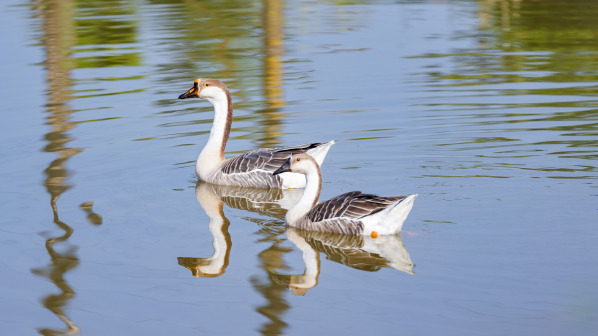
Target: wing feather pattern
[342,214]
[351,205]
[255,168]
[267,159]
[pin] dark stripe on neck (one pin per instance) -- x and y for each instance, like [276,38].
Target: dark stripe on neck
[319,184]
[229,121]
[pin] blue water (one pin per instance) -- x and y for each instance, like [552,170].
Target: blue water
[486,109]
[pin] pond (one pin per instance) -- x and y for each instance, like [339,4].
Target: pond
[487,109]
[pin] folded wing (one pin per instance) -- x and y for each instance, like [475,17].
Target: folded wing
[264,159]
[351,205]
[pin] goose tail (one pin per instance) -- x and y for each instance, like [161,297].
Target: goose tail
[319,153]
[391,219]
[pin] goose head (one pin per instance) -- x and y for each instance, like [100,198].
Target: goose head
[206,88]
[298,163]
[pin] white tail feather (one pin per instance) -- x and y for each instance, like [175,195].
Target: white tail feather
[391,219]
[293,180]
[319,153]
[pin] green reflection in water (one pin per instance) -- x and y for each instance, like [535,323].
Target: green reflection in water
[108,61]
[222,39]
[549,62]
[100,24]
[60,33]
[57,37]
[105,22]
[219,39]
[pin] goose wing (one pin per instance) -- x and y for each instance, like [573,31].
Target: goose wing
[263,159]
[343,213]
[351,205]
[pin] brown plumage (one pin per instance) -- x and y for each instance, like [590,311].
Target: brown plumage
[342,214]
[350,213]
[353,204]
[255,168]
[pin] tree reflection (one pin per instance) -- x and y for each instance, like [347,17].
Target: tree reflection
[548,49]
[273,69]
[272,261]
[106,31]
[553,49]
[240,43]
[58,38]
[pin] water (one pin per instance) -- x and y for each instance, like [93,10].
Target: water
[487,109]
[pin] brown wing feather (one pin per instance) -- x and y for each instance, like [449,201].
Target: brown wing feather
[266,159]
[351,205]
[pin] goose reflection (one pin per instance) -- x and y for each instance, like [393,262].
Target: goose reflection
[357,251]
[269,202]
[216,264]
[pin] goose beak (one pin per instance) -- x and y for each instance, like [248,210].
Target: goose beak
[192,93]
[286,167]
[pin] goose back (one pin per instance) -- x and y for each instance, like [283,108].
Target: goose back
[254,168]
[343,213]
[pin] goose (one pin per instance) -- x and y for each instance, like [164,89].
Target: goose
[254,168]
[350,213]
[357,251]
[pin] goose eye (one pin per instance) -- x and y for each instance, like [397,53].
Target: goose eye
[206,84]
[298,159]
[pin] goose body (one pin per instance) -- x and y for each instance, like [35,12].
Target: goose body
[254,168]
[350,213]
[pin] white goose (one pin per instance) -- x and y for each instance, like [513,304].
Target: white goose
[349,213]
[252,169]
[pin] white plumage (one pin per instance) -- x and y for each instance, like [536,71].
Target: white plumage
[350,213]
[252,169]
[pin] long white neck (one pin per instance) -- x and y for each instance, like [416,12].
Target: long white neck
[212,155]
[310,195]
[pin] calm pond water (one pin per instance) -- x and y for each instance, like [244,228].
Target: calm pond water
[487,109]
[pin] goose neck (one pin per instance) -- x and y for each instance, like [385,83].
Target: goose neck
[310,196]
[212,155]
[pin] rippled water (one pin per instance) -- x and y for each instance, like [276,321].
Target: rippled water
[487,109]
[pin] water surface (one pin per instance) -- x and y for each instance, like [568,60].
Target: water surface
[486,109]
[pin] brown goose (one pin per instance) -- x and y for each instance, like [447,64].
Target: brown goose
[350,213]
[254,168]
